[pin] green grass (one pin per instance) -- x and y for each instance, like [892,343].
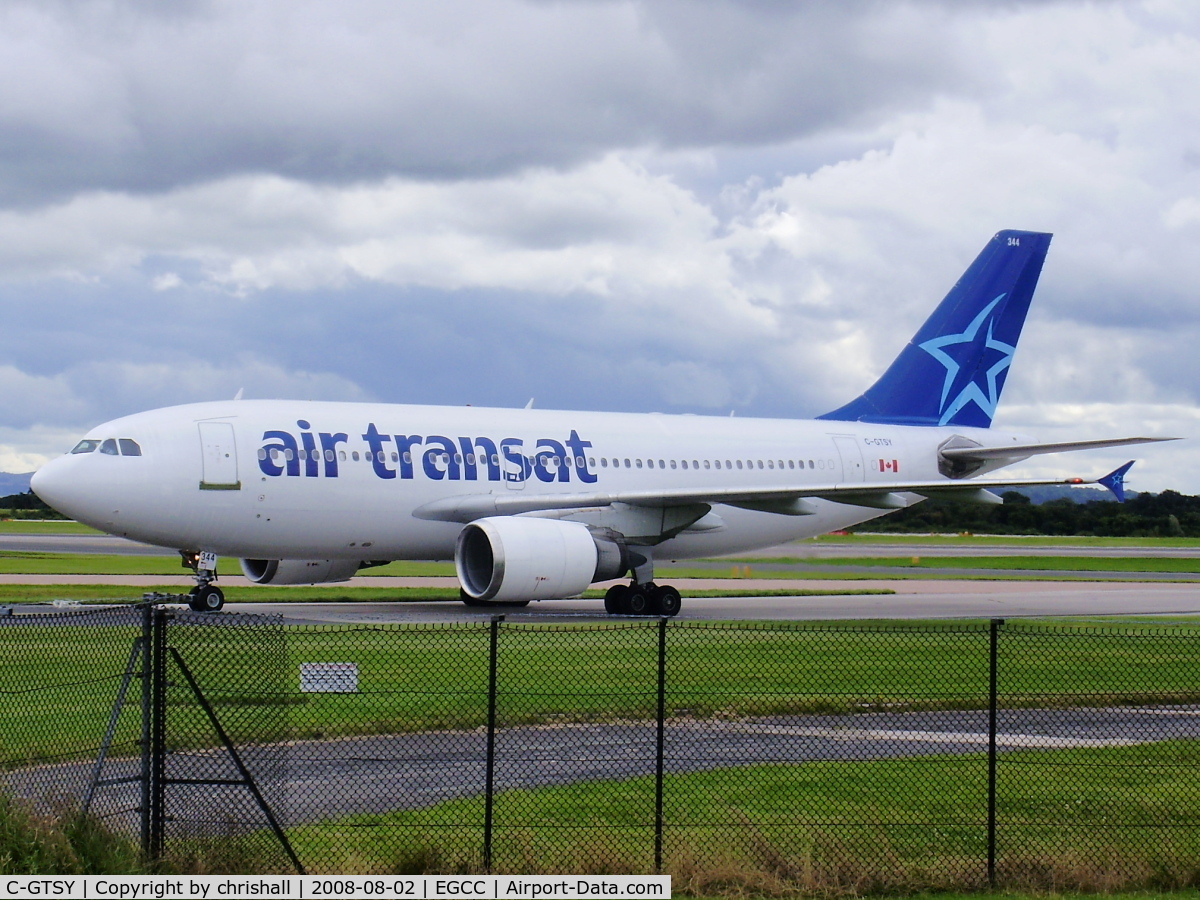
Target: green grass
[58,683]
[864,827]
[64,844]
[991,540]
[28,563]
[1056,894]
[25,526]
[1034,563]
[1094,819]
[118,593]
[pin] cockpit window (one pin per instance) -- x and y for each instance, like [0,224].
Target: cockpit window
[129,447]
[86,446]
[109,447]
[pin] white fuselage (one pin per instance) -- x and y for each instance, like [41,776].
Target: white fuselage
[312,480]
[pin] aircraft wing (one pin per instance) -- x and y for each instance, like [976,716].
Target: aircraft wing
[784,499]
[1020,451]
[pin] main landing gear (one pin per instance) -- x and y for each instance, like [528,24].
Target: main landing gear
[205,596]
[643,597]
[648,599]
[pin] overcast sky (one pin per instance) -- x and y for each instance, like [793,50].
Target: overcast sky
[677,206]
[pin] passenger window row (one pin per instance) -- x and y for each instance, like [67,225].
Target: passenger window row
[714,464]
[555,461]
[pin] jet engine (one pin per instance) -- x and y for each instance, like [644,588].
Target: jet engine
[299,571]
[511,558]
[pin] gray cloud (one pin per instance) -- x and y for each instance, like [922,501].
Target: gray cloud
[128,96]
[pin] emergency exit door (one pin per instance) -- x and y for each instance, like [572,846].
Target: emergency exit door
[852,459]
[218,453]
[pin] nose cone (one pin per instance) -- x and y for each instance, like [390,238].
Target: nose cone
[80,487]
[52,484]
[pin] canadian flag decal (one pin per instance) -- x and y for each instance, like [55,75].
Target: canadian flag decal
[889,465]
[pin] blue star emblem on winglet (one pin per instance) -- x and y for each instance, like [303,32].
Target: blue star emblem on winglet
[966,346]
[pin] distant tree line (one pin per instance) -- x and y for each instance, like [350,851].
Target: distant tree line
[26,506]
[1169,514]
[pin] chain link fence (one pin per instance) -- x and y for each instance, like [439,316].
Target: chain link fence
[772,756]
[170,728]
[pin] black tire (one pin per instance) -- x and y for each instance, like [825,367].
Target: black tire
[614,599]
[207,599]
[667,601]
[637,601]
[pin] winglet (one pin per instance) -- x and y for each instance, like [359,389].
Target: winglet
[1115,481]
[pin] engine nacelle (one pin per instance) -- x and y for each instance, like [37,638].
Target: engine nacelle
[299,571]
[507,558]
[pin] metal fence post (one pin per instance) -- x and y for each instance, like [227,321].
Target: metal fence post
[147,668]
[158,737]
[489,783]
[658,752]
[993,670]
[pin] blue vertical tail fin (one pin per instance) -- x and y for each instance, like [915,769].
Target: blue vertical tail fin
[954,368]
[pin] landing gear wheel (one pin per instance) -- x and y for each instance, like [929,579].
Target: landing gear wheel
[637,601]
[614,599]
[667,600]
[207,599]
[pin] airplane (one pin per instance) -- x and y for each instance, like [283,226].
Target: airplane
[539,504]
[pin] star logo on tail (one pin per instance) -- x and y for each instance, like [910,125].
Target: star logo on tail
[963,356]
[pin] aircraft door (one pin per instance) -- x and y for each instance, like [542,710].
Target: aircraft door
[219,457]
[852,459]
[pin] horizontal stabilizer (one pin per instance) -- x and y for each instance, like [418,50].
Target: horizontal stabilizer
[1020,451]
[1115,481]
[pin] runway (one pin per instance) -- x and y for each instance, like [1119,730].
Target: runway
[79,543]
[869,545]
[912,599]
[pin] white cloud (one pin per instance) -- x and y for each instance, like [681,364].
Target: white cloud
[1159,466]
[696,205]
[26,449]
[606,227]
[84,394]
[25,398]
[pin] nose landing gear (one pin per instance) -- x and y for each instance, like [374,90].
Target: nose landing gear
[205,596]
